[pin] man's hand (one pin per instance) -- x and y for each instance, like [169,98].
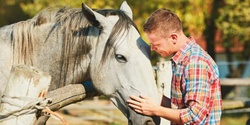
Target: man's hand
[143,105]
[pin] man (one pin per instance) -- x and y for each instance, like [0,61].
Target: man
[195,89]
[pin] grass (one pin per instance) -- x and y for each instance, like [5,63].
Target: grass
[235,119]
[79,114]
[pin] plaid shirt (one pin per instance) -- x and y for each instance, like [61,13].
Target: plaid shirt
[196,86]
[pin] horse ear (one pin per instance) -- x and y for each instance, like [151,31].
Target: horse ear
[91,16]
[125,7]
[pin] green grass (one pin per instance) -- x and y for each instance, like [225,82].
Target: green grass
[235,119]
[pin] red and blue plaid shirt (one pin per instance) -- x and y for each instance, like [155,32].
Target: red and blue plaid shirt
[196,86]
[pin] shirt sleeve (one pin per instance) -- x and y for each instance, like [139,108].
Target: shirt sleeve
[196,88]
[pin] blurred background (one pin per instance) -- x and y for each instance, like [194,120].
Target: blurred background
[221,27]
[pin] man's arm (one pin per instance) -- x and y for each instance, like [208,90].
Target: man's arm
[147,106]
[197,94]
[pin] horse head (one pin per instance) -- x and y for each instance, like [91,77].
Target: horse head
[75,45]
[119,64]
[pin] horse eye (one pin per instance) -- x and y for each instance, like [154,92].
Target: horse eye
[120,58]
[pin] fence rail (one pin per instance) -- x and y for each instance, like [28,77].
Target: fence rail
[235,106]
[235,81]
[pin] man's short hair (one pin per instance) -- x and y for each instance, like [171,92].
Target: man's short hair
[162,20]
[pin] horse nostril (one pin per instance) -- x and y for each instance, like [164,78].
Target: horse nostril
[149,122]
[130,122]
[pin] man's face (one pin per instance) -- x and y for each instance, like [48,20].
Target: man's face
[160,44]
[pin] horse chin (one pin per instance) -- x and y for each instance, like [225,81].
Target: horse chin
[120,100]
[138,119]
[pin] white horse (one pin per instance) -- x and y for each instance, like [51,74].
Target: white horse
[75,45]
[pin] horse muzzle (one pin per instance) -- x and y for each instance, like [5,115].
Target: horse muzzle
[120,101]
[138,119]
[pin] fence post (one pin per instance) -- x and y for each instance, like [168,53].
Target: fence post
[164,78]
[24,86]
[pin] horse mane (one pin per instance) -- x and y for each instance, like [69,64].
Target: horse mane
[76,29]
[69,21]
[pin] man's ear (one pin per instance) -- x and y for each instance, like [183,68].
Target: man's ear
[174,37]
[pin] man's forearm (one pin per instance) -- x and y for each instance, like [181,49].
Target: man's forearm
[172,115]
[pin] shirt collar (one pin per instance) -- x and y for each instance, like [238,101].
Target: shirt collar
[181,54]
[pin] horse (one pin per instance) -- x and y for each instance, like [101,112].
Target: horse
[80,44]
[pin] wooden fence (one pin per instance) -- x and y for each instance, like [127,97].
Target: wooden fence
[25,89]
[163,79]
[236,105]
[26,101]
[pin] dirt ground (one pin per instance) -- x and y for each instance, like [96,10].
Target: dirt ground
[102,112]
[90,112]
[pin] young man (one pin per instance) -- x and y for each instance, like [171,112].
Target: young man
[195,90]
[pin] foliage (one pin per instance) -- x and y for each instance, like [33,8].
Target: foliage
[34,7]
[193,23]
[233,19]
[184,8]
[234,23]
[11,12]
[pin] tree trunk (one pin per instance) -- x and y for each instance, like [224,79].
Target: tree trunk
[211,29]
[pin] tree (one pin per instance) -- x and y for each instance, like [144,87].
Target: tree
[10,10]
[234,24]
